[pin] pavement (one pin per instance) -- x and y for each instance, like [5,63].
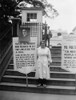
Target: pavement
[9,95]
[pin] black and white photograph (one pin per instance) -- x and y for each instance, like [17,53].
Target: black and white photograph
[37,49]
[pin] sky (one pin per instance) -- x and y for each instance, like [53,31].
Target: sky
[66,20]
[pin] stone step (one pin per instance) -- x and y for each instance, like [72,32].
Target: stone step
[16,73]
[55,55]
[57,69]
[52,66]
[30,85]
[56,47]
[64,75]
[55,64]
[56,52]
[65,90]
[33,80]
[58,56]
[54,59]
[53,74]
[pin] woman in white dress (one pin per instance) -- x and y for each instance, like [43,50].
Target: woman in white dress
[43,60]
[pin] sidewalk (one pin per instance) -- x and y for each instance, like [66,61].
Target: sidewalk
[5,95]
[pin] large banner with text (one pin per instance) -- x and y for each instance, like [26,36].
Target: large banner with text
[24,56]
[69,53]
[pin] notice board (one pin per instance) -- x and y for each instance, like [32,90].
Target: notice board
[24,56]
[69,53]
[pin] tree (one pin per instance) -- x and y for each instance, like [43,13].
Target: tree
[49,10]
[8,8]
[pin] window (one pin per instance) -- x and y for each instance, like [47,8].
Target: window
[31,17]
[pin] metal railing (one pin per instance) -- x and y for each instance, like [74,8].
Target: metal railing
[5,50]
[5,41]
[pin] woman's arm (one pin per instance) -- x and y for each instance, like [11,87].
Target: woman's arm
[49,56]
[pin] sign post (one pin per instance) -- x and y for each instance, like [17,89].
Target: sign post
[26,80]
[29,37]
[69,54]
[24,56]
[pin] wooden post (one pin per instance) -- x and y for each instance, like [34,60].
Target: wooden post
[15,26]
[26,80]
[46,33]
[75,83]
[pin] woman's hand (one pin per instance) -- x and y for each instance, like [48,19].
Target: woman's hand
[49,62]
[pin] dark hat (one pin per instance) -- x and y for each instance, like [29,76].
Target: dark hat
[43,41]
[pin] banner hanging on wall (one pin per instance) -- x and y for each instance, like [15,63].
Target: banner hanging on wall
[24,56]
[69,53]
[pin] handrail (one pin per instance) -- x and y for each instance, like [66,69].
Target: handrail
[5,33]
[5,53]
[6,50]
[5,61]
[4,44]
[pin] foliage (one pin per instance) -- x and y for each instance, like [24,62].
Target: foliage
[48,9]
[8,8]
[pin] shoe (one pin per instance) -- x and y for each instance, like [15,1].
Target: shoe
[44,85]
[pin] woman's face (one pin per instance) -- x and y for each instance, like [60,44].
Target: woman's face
[43,45]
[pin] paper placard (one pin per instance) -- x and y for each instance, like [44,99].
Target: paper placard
[24,56]
[69,53]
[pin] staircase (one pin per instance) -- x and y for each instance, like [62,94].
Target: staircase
[60,82]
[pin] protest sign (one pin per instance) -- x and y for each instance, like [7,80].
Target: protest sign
[24,56]
[69,53]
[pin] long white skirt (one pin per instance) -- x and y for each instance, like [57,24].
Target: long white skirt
[42,69]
